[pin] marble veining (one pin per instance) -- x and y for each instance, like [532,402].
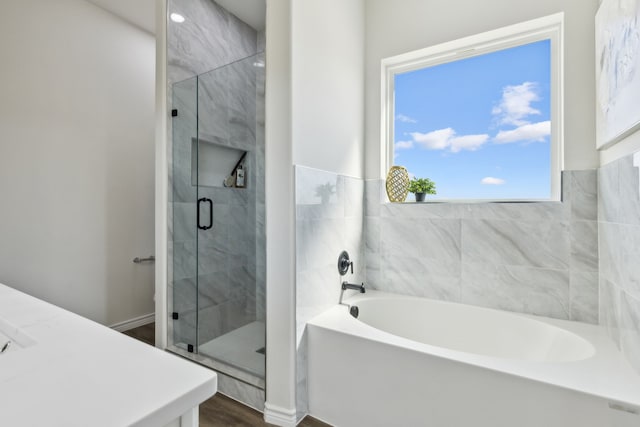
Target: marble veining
[302,404]
[209,38]
[629,206]
[245,393]
[630,254]
[619,251]
[531,290]
[523,243]
[630,329]
[610,308]
[427,238]
[449,250]
[426,277]
[584,245]
[610,251]
[584,194]
[583,286]
[608,192]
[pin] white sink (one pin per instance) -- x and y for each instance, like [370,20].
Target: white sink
[16,338]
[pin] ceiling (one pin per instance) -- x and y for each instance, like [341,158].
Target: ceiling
[141,13]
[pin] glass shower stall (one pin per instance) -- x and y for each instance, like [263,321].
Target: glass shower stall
[217,235]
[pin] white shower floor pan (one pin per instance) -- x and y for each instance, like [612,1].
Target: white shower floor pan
[240,348]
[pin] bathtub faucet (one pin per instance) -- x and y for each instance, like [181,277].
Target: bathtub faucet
[346,285]
[355,287]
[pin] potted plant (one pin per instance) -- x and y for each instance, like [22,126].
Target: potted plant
[422,186]
[324,191]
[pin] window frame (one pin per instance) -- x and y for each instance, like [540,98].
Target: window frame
[546,28]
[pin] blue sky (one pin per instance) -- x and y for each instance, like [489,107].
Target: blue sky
[478,127]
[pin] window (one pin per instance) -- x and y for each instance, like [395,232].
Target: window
[480,116]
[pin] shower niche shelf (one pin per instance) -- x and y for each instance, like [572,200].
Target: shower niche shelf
[212,163]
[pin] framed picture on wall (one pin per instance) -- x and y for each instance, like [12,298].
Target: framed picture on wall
[617,71]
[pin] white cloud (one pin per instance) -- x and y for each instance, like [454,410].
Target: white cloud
[405,119]
[526,133]
[435,140]
[403,145]
[443,139]
[467,142]
[515,105]
[489,180]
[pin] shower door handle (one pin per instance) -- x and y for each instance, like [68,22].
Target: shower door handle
[205,200]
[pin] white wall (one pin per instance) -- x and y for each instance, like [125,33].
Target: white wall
[398,26]
[161,176]
[280,226]
[76,157]
[628,145]
[314,118]
[327,50]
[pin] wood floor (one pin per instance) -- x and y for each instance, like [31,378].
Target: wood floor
[220,410]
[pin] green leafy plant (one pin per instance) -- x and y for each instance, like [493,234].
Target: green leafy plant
[422,185]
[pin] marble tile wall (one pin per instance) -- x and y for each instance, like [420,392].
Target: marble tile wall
[537,258]
[619,234]
[329,219]
[217,277]
[209,38]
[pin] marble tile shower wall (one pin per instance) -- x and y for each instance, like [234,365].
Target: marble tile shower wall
[537,258]
[619,229]
[329,219]
[210,38]
[226,97]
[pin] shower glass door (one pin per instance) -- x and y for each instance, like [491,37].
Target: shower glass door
[218,219]
[230,330]
[184,236]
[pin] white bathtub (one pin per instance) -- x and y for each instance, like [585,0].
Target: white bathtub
[416,362]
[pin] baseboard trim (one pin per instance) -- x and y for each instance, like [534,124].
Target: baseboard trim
[279,416]
[134,323]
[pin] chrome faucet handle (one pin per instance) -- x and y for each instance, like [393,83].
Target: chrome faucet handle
[344,263]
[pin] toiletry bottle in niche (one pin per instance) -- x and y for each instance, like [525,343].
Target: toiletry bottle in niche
[240,181]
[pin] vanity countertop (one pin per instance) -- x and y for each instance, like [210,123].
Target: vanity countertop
[64,370]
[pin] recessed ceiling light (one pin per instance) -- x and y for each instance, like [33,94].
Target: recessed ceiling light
[176,17]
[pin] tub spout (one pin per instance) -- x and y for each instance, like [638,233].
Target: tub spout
[355,287]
